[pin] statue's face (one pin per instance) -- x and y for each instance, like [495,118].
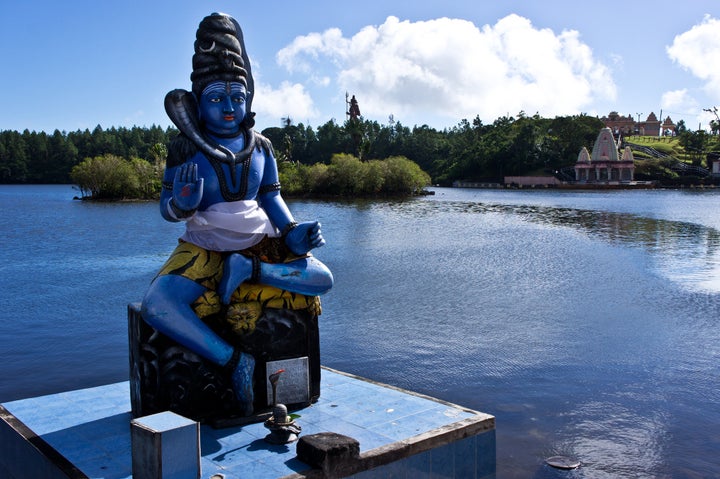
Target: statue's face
[222,107]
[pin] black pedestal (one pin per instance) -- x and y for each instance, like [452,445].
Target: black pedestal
[166,376]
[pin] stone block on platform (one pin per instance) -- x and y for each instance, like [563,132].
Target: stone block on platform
[165,446]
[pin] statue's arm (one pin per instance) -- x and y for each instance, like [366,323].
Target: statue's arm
[166,194]
[269,195]
[300,238]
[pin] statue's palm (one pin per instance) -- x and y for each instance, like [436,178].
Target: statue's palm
[187,188]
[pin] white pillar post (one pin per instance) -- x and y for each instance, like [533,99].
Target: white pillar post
[165,446]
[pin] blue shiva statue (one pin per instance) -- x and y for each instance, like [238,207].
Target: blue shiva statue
[221,180]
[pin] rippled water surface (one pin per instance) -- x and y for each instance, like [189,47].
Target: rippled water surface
[586,322]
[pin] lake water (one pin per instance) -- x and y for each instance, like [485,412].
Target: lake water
[586,322]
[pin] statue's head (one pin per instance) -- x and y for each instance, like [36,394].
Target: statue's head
[220,63]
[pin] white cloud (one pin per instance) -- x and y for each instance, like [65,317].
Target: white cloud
[452,69]
[698,51]
[290,100]
[679,104]
[678,100]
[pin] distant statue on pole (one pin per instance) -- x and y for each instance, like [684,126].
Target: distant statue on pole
[354,110]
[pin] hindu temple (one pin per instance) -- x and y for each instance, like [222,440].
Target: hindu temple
[605,163]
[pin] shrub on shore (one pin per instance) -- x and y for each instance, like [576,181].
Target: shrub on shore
[347,176]
[110,177]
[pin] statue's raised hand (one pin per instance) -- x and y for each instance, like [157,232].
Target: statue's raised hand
[304,237]
[187,190]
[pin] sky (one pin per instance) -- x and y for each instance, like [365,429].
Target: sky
[76,64]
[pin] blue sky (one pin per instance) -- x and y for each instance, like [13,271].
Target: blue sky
[76,64]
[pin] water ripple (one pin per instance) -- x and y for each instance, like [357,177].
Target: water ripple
[685,253]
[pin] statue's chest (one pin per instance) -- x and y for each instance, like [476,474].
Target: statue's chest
[231,181]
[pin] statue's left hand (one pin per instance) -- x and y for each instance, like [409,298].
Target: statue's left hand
[304,237]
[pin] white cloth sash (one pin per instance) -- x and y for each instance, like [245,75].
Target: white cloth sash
[229,226]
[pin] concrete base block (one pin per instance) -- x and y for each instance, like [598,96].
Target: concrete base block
[165,446]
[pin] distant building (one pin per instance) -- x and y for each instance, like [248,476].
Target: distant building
[532,181]
[668,127]
[620,125]
[605,164]
[649,127]
[713,160]
[626,125]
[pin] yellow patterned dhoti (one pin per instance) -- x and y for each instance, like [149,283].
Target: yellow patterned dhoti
[249,299]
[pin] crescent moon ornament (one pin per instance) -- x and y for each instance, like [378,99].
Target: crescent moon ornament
[207,50]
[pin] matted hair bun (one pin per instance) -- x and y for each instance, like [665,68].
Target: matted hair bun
[220,56]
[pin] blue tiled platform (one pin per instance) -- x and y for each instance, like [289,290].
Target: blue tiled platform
[86,434]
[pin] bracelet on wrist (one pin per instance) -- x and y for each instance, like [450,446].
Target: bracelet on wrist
[179,214]
[289,227]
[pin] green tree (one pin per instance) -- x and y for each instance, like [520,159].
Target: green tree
[330,139]
[404,176]
[159,153]
[566,136]
[148,181]
[105,177]
[525,140]
[355,129]
[292,178]
[316,176]
[495,144]
[37,154]
[425,146]
[680,128]
[695,143]
[13,158]
[83,142]
[463,159]
[374,177]
[344,175]
[63,156]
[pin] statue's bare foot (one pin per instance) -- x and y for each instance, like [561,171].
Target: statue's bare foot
[236,269]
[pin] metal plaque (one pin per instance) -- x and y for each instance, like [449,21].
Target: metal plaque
[294,384]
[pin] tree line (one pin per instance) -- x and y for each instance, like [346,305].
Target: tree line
[41,158]
[471,150]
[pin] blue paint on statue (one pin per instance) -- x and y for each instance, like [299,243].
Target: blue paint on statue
[222,180]
[222,107]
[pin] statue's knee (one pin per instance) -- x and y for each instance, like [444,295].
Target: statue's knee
[150,309]
[322,276]
[326,281]
[157,304]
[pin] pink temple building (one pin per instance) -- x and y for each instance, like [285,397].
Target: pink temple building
[604,164]
[626,125]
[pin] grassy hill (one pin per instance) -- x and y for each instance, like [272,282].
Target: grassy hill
[673,146]
[649,166]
